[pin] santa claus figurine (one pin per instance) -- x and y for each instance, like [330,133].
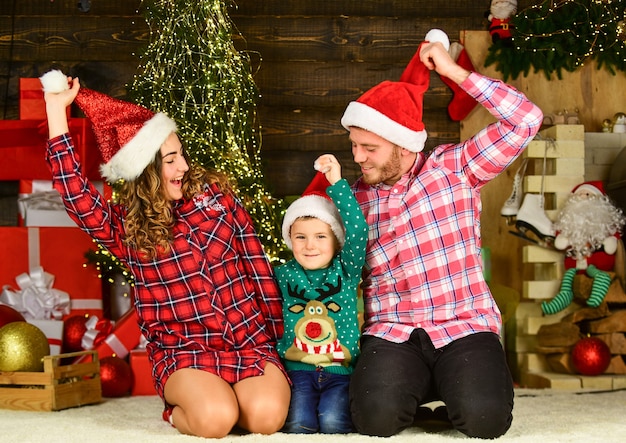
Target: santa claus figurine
[588,229]
[500,12]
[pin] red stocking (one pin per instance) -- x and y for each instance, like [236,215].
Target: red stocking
[462,103]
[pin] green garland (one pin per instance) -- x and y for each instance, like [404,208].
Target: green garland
[557,36]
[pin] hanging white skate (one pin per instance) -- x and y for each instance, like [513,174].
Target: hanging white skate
[512,204]
[533,224]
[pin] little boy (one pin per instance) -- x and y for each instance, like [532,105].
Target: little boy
[319,288]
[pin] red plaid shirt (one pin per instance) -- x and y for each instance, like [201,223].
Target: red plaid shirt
[423,265]
[211,302]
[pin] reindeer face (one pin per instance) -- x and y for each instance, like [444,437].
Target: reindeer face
[316,327]
[316,340]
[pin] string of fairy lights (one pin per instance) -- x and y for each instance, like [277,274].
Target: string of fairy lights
[563,35]
[192,71]
[107,265]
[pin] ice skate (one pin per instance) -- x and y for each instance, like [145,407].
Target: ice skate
[533,224]
[512,204]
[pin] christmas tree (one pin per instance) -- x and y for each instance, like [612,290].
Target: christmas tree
[192,72]
[556,36]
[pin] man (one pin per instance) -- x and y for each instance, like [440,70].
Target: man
[431,326]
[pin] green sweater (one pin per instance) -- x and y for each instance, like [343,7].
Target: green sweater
[323,302]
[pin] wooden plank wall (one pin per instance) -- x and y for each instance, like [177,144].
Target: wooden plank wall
[311,59]
[318,56]
[100,46]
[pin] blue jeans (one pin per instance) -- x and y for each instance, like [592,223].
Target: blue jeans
[319,403]
[470,375]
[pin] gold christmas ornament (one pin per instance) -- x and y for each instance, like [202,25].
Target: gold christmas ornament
[22,347]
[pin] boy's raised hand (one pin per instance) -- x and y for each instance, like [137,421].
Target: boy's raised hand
[329,166]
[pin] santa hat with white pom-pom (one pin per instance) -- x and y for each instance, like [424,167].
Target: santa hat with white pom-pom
[393,110]
[314,202]
[128,135]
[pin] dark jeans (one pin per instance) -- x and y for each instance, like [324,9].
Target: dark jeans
[470,375]
[319,403]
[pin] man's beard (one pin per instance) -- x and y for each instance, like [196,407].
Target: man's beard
[388,171]
[586,222]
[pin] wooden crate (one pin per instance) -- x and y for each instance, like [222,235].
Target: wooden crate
[59,386]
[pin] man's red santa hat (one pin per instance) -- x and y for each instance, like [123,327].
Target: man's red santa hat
[314,203]
[394,109]
[128,135]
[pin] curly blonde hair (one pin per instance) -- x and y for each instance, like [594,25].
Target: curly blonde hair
[149,219]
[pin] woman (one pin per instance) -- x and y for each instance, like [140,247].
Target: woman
[205,293]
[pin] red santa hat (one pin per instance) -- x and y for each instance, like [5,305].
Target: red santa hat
[591,187]
[314,202]
[393,110]
[128,135]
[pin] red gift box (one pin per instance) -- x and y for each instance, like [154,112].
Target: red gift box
[32,103]
[60,252]
[23,145]
[142,373]
[125,337]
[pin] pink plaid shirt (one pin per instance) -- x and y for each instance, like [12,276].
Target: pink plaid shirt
[423,266]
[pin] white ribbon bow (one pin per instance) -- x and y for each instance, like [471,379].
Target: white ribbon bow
[36,299]
[50,200]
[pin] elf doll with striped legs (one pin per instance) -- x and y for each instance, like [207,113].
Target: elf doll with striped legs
[588,230]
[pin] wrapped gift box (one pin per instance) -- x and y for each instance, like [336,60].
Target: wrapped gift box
[125,337]
[23,145]
[39,204]
[47,217]
[32,104]
[142,373]
[54,332]
[60,252]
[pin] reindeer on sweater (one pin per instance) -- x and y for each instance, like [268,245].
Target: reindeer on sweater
[316,341]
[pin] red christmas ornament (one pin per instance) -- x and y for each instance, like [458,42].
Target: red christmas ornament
[74,329]
[115,377]
[591,356]
[9,315]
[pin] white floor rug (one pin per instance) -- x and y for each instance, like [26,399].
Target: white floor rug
[540,416]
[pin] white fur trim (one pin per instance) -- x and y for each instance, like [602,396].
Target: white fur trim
[313,206]
[437,35]
[365,117]
[132,158]
[54,81]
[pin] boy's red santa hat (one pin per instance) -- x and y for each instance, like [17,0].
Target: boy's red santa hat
[314,202]
[393,110]
[128,135]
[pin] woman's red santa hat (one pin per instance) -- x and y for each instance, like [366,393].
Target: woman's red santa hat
[128,135]
[314,203]
[393,110]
